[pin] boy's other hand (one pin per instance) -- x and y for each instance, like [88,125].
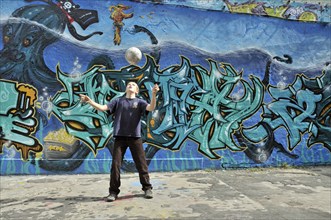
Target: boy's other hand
[84,98]
[156,88]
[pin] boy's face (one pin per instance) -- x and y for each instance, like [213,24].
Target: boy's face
[132,87]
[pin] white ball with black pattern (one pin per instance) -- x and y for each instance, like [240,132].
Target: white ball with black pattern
[133,55]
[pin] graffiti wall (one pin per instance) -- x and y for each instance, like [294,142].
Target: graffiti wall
[242,83]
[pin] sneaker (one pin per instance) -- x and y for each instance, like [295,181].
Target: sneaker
[148,194]
[111,197]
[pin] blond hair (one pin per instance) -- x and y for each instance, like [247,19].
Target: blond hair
[137,87]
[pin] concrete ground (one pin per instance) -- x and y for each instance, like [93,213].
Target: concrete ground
[268,193]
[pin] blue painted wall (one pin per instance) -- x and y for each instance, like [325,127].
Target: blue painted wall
[243,84]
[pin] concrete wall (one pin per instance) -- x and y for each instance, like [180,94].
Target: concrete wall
[243,84]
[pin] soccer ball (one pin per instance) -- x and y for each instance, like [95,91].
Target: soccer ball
[133,55]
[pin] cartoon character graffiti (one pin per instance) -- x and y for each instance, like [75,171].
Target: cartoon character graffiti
[70,12]
[26,34]
[118,15]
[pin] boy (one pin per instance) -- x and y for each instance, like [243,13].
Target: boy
[127,133]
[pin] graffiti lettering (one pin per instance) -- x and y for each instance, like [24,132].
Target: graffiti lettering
[16,117]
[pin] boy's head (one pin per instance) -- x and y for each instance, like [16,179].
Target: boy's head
[132,87]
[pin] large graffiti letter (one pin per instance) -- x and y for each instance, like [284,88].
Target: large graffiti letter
[296,108]
[223,114]
[82,120]
[17,120]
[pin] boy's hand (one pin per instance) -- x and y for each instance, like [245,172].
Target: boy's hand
[84,98]
[156,88]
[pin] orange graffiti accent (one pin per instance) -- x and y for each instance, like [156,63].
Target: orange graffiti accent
[29,91]
[30,97]
[24,149]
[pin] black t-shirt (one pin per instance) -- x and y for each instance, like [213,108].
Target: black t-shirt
[127,114]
